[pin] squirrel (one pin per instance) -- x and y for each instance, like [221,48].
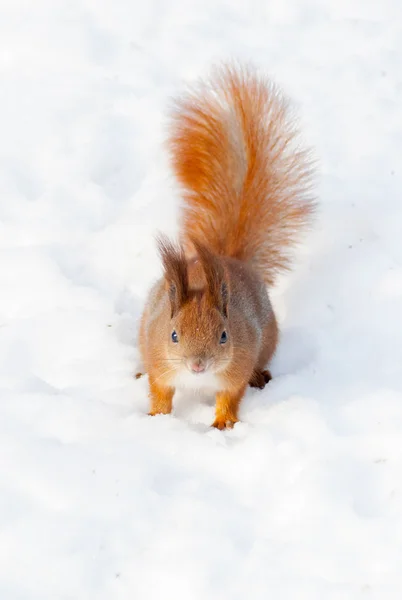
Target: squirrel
[208,323]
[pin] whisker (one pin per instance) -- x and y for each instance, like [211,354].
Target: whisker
[164,374]
[171,360]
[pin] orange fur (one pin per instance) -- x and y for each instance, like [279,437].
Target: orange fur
[161,397]
[227,405]
[246,183]
[209,323]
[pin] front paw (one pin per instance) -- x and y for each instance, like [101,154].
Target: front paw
[224,424]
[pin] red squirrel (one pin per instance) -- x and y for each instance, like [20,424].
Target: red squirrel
[208,324]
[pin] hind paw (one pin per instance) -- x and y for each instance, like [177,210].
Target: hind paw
[260,378]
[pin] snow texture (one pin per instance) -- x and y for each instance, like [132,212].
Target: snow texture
[303,499]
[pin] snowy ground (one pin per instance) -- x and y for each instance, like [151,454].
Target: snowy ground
[303,499]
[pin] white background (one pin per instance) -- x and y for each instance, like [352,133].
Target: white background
[303,499]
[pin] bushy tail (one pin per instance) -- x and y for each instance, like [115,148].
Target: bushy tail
[246,182]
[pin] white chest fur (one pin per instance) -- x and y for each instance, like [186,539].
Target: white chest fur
[208,381]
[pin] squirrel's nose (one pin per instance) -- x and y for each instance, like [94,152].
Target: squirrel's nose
[197,365]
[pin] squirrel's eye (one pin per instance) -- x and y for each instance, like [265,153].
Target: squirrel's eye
[224,338]
[175,337]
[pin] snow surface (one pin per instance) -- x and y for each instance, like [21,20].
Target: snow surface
[303,499]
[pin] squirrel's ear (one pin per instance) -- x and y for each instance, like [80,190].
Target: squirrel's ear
[175,272]
[225,298]
[217,283]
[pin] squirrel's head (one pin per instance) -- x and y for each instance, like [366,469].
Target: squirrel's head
[198,337]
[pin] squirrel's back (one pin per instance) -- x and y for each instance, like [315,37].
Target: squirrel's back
[246,182]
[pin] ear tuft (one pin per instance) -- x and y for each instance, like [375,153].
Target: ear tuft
[217,284]
[225,298]
[175,272]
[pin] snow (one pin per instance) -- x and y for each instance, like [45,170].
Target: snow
[303,499]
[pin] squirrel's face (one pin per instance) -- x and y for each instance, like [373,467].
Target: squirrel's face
[199,338]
